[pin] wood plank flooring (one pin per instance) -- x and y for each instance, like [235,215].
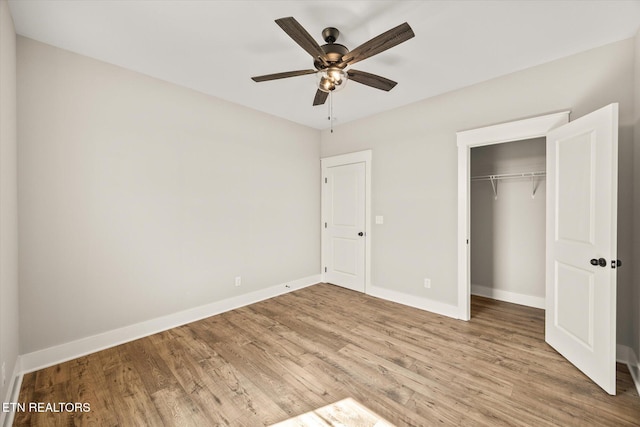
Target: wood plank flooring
[277,359]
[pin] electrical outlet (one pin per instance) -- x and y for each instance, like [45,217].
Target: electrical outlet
[238,281]
[427,283]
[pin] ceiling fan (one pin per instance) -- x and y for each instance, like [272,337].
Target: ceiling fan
[331,59]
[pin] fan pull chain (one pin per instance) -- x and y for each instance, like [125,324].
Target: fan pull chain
[330,111]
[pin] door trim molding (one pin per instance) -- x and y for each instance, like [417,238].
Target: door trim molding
[506,132]
[341,160]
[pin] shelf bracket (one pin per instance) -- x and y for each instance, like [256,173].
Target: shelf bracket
[533,187]
[494,184]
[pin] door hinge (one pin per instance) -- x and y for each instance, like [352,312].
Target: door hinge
[325,269]
[325,225]
[325,180]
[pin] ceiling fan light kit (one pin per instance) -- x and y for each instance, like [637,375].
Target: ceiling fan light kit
[331,79]
[332,59]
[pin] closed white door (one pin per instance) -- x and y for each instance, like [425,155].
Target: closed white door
[582,172]
[344,225]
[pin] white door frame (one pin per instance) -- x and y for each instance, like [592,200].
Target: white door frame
[507,132]
[340,160]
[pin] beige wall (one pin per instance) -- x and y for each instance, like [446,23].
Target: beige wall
[139,198]
[414,173]
[9,346]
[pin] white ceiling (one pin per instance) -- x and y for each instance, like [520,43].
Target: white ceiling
[216,46]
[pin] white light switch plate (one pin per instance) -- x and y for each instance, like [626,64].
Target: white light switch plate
[379,219]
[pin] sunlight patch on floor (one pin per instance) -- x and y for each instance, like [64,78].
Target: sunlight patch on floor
[344,413]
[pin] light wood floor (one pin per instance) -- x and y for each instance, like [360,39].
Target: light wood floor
[289,355]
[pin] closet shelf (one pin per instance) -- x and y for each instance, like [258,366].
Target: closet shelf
[508,176]
[497,177]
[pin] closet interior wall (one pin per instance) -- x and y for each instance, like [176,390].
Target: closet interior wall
[508,222]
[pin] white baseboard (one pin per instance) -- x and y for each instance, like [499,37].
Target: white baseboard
[13,392]
[414,301]
[74,349]
[507,296]
[626,355]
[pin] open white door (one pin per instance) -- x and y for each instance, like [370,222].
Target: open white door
[582,186]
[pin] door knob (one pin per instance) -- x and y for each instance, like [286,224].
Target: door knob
[361,234]
[601,262]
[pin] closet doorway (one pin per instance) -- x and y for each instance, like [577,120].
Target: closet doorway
[507,209]
[521,130]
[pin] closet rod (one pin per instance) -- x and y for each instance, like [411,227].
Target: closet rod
[495,178]
[508,176]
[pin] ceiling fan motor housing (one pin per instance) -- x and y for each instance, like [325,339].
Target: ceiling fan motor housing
[333,51]
[333,55]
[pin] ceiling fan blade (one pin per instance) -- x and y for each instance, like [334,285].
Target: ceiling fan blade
[320,97]
[372,80]
[284,75]
[301,36]
[384,41]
